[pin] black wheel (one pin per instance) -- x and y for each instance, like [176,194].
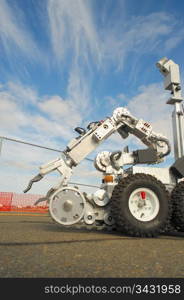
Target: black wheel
[141,205]
[177,197]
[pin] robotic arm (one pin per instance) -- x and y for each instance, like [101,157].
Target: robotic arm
[158,145]
[80,147]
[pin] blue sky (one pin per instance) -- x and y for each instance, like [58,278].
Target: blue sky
[65,63]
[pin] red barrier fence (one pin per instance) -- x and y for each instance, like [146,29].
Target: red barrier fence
[21,203]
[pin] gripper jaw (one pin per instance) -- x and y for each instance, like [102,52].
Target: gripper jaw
[35,179]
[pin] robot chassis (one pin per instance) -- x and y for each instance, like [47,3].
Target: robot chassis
[139,201]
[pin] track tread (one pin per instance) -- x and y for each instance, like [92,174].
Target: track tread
[177,197]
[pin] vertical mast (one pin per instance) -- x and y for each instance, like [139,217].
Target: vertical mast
[170,70]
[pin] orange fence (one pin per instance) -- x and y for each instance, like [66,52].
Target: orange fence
[21,203]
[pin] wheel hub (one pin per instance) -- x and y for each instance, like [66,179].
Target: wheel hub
[144,204]
[67,206]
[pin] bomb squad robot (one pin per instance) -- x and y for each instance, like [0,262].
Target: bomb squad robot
[138,201]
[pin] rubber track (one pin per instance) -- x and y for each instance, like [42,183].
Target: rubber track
[84,226]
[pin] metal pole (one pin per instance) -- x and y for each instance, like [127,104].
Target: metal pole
[171,73]
[34,145]
[1,144]
[178,130]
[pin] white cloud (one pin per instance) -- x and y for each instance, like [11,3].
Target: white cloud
[137,35]
[61,111]
[24,113]
[78,89]
[11,118]
[72,29]
[23,94]
[174,40]
[13,33]
[76,45]
[54,130]
[76,39]
[150,105]
[51,128]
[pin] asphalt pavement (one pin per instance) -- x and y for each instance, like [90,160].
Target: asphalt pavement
[34,246]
